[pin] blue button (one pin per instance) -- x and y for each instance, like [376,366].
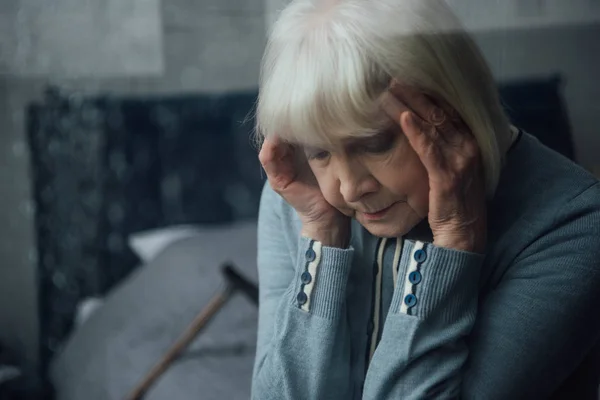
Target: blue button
[414,277]
[302,298]
[410,300]
[306,277]
[310,255]
[420,256]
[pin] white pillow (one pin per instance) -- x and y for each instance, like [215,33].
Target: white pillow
[85,309]
[148,244]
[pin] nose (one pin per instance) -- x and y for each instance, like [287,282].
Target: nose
[355,181]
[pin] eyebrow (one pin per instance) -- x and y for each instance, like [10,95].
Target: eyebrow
[358,140]
[353,141]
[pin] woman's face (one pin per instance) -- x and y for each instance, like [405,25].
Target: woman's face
[380,181]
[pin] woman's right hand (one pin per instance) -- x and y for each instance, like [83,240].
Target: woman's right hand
[296,184]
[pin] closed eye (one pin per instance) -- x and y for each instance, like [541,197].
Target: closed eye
[379,143]
[316,154]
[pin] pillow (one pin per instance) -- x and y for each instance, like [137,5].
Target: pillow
[146,313]
[148,244]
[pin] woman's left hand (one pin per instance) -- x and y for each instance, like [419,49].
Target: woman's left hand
[450,154]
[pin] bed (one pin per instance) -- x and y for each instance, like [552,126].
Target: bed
[144,315]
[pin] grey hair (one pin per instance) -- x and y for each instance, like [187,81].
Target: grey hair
[327,63]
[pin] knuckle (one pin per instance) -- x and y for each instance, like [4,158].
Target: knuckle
[451,182]
[463,165]
[446,186]
[430,149]
[429,129]
[472,149]
[436,133]
[264,157]
[279,182]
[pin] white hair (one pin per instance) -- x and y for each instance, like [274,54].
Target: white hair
[327,62]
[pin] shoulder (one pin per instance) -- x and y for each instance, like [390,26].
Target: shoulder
[537,185]
[546,207]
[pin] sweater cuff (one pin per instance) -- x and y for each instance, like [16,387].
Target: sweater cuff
[437,280]
[322,277]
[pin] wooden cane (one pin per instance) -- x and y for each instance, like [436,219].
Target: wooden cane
[234,282]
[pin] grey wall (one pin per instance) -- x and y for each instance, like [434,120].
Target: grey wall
[571,50]
[538,38]
[206,45]
[18,321]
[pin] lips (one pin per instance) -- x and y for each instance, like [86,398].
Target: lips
[378,214]
[378,211]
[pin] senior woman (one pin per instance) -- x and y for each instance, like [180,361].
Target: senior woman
[412,243]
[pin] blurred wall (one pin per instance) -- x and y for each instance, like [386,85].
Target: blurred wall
[572,51]
[204,45]
[538,38]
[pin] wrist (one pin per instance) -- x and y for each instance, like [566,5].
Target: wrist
[330,235]
[472,243]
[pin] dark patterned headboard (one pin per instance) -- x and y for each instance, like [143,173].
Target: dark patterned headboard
[105,167]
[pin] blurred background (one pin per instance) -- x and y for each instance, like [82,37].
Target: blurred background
[129,176]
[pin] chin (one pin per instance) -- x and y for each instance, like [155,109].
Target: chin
[388,230]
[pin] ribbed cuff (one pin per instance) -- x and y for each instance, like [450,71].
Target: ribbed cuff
[449,286]
[328,294]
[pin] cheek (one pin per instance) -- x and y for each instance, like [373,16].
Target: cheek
[327,185]
[330,190]
[402,173]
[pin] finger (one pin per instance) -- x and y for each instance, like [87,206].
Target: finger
[455,117]
[427,109]
[422,137]
[393,107]
[267,152]
[277,161]
[266,156]
[418,130]
[417,102]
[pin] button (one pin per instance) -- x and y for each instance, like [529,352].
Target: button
[310,255]
[306,277]
[414,277]
[420,256]
[302,298]
[410,300]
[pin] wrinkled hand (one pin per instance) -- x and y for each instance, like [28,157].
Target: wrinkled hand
[450,154]
[291,178]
